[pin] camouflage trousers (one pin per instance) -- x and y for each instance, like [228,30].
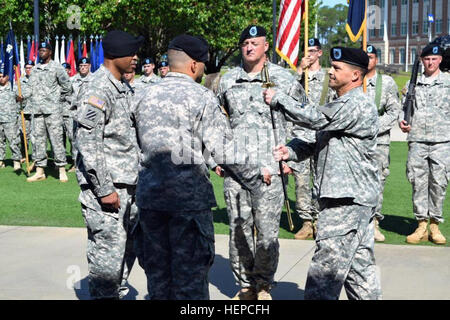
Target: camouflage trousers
[110,248]
[69,130]
[177,253]
[344,259]
[305,205]
[53,124]
[9,132]
[28,125]
[428,170]
[383,160]
[254,257]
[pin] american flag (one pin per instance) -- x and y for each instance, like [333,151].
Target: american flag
[288,35]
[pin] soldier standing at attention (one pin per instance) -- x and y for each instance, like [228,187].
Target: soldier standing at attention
[49,85]
[8,123]
[107,165]
[83,75]
[241,93]
[347,179]
[178,120]
[384,92]
[163,68]
[67,115]
[428,166]
[149,77]
[319,93]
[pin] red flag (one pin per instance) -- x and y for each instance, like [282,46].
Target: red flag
[71,60]
[32,53]
[84,50]
[288,36]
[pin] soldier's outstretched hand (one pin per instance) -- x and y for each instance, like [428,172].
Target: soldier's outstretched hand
[280,153]
[268,95]
[111,200]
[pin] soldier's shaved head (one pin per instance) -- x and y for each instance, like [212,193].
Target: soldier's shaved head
[180,62]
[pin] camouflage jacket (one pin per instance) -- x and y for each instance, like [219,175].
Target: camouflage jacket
[77,81]
[346,166]
[389,108]
[430,118]
[105,135]
[9,109]
[25,87]
[179,124]
[250,118]
[50,85]
[153,78]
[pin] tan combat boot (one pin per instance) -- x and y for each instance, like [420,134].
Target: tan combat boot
[17,166]
[435,235]
[306,232]
[421,233]
[379,237]
[264,293]
[38,176]
[246,294]
[63,175]
[2,164]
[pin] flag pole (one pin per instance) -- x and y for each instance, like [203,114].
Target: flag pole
[365,41]
[24,131]
[306,45]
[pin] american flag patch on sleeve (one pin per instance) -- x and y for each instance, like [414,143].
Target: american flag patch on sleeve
[96,102]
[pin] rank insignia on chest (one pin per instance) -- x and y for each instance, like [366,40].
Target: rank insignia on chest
[96,102]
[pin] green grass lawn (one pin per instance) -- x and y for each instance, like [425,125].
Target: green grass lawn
[51,203]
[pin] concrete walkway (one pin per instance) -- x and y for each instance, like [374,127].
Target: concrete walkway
[50,263]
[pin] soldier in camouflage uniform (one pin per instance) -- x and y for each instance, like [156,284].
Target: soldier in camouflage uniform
[8,123]
[179,123]
[107,160]
[347,179]
[240,92]
[67,114]
[428,166]
[306,205]
[148,77]
[163,68]
[49,85]
[27,109]
[84,75]
[383,90]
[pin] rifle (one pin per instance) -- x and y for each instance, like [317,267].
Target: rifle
[410,100]
[268,84]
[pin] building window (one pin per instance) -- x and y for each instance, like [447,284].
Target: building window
[438,26]
[372,33]
[379,55]
[382,3]
[394,3]
[415,27]
[393,29]
[392,56]
[402,56]
[403,28]
[413,55]
[404,1]
[381,33]
[415,1]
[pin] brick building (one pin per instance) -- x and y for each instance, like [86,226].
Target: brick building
[405,17]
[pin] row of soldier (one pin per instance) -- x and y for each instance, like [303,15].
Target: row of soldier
[173,236]
[46,113]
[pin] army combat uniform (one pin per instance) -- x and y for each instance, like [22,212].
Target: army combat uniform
[318,93]
[384,92]
[153,78]
[107,162]
[254,265]
[49,84]
[428,166]
[9,112]
[347,183]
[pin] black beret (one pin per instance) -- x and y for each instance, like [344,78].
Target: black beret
[45,45]
[66,65]
[84,60]
[372,49]
[121,44]
[431,49]
[314,42]
[353,56]
[194,46]
[29,63]
[163,64]
[252,32]
[147,61]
